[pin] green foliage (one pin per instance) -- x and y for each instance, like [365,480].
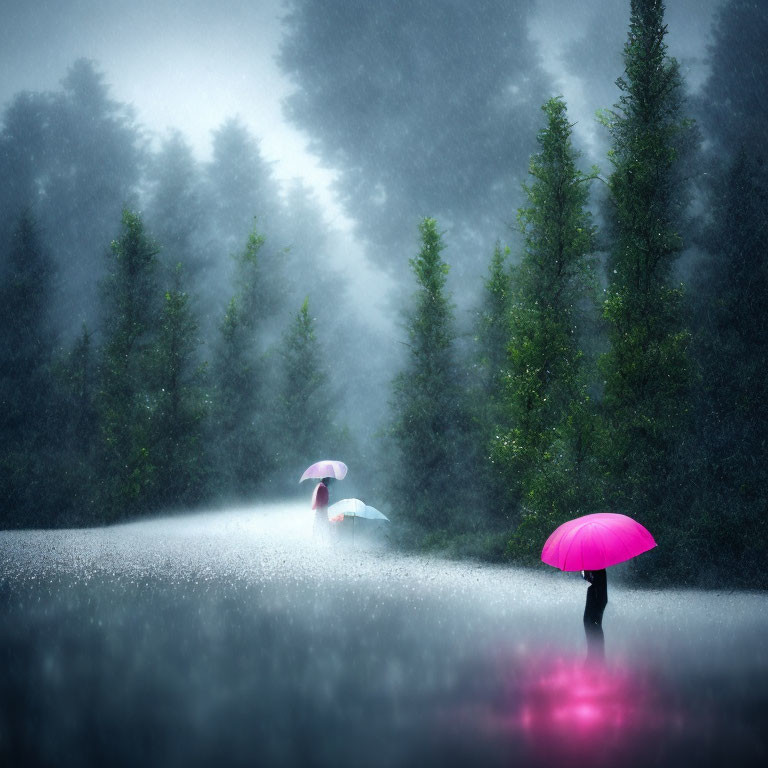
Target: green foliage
[431,421]
[305,427]
[238,432]
[27,399]
[178,405]
[730,345]
[75,377]
[488,546]
[127,466]
[491,342]
[493,331]
[304,374]
[544,442]
[668,425]
[646,369]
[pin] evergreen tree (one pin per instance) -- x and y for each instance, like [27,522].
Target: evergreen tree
[82,378]
[27,340]
[491,348]
[239,436]
[242,190]
[73,158]
[732,107]
[309,272]
[76,476]
[176,208]
[646,369]
[430,417]
[23,144]
[305,423]
[241,183]
[131,295]
[176,204]
[493,335]
[726,304]
[731,347]
[179,403]
[546,437]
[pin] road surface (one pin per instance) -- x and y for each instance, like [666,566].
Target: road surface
[234,638]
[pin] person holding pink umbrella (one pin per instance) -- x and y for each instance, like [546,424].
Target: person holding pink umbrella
[591,544]
[320,498]
[597,599]
[327,470]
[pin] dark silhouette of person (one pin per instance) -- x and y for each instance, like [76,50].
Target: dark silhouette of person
[597,599]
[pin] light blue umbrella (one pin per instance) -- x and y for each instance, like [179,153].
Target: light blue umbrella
[354,508]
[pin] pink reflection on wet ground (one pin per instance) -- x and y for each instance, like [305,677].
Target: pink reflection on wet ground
[563,708]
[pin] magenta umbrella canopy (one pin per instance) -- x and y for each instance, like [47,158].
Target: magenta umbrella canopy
[597,541]
[325,468]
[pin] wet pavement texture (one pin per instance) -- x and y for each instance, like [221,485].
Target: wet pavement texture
[236,638]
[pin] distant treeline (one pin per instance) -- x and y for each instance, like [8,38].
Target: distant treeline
[595,379]
[159,359]
[136,421]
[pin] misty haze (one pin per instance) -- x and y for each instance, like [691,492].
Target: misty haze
[489,277]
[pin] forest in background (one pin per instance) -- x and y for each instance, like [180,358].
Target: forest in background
[166,324]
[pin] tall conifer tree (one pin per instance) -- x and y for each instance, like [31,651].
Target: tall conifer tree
[492,340]
[179,403]
[131,298]
[27,341]
[77,479]
[731,347]
[727,302]
[646,369]
[430,419]
[545,439]
[306,414]
[238,438]
[493,332]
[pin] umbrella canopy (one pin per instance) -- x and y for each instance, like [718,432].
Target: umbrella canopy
[354,508]
[597,541]
[325,468]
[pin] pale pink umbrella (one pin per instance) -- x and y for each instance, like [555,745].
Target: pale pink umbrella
[325,468]
[594,542]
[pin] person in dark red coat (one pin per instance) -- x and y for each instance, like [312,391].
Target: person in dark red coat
[320,505]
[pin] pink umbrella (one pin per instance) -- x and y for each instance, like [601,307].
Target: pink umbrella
[597,541]
[325,468]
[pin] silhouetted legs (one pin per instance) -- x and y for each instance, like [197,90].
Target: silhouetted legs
[595,641]
[597,599]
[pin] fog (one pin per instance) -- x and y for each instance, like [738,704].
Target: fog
[234,637]
[506,259]
[178,71]
[188,67]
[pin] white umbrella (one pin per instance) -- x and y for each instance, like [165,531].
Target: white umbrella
[354,508]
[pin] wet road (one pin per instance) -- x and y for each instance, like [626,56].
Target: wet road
[232,638]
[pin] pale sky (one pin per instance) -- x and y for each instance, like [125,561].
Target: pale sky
[190,64]
[187,64]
